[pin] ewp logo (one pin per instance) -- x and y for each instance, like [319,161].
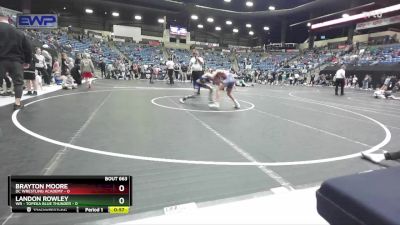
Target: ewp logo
[37,21]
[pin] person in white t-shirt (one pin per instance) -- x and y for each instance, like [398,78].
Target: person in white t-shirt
[40,63]
[170,70]
[196,65]
[339,80]
[355,81]
[296,78]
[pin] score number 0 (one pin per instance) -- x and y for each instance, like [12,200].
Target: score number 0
[121,200]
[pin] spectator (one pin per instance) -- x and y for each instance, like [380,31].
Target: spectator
[366,81]
[40,64]
[49,62]
[57,72]
[184,70]
[170,70]
[30,79]
[15,55]
[339,80]
[64,65]
[110,71]
[102,66]
[69,83]
[87,70]
[177,70]
[355,81]
[7,91]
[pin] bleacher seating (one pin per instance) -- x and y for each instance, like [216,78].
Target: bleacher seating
[141,53]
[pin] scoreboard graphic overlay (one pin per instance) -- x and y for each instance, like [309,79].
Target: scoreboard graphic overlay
[70,194]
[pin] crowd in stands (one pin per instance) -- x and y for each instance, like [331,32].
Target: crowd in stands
[127,60]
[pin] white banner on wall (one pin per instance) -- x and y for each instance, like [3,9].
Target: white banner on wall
[127,31]
[119,39]
[378,23]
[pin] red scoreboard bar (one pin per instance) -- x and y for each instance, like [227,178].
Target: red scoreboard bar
[70,194]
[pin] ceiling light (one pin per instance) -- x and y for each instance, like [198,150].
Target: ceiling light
[272,8]
[200,26]
[249,4]
[228,22]
[235,30]
[65,8]
[210,19]
[345,15]
[194,17]
[161,20]
[251,33]
[248,25]
[137,17]
[227,0]
[105,13]
[218,28]
[89,11]
[308,24]
[266,28]
[115,14]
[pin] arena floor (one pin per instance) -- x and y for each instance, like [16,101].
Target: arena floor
[290,137]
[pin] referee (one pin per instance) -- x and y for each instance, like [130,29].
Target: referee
[197,67]
[339,80]
[15,55]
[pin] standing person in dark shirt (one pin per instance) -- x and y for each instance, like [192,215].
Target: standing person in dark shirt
[102,66]
[184,69]
[64,65]
[15,55]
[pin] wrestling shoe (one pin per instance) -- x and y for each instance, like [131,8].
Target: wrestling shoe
[237,105]
[18,107]
[28,93]
[213,105]
[375,158]
[182,100]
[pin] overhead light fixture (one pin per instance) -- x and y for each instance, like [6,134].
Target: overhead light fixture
[115,14]
[217,28]
[200,26]
[105,13]
[161,20]
[228,22]
[89,11]
[249,4]
[210,19]
[137,17]
[345,15]
[251,33]
[235,30]
[266,28]
[65,8]
[194,17]
[272,8]
[248,25]
[227,0]
[308,24]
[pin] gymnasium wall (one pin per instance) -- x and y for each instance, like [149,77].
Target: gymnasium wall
[356,38]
